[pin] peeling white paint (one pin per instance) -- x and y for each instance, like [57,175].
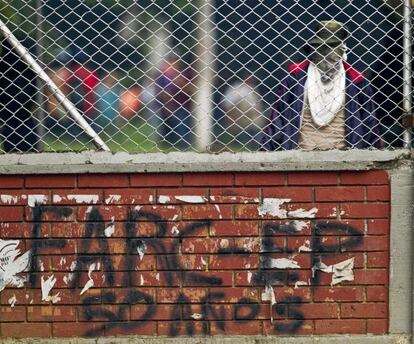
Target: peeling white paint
[342,271]
[282,263]
[203,261]
[79,199]
[157,276]
[73,266]
[68,278]
[269,295]
[151,199]
[248,246]
[224,243]
[305,247]
[191,199]
[174,230]
[213,198]
[57,199]
[300,225]
[89,209]
[300,283]
[12,301]
[89,284]
[11,264]
[256,200]
[137,207]
[271,206]
[197,316]
[9,199]
[112,198]
[141,247]
[249,276]
[163,199]
[36,199]
[47,286]
[142,280]
[110,229]
[334,212]
[42,267]
[62,261]
[218,210]
[303,214]
[175,217]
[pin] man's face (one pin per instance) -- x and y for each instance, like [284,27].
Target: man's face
[327,58]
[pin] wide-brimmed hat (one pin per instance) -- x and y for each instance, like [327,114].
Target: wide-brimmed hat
[330,32]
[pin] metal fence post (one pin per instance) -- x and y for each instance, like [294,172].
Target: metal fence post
[407,73]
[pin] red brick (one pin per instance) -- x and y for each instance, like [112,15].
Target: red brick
[249,211]
[22,230]
[296,194]
[100,312]
[378,193]
[340,326]
[233,295]
[260,178]
[285,294]
[306,327]
[96,246]
[129,196]
[203,245]
[366,310]
[364,178]
[167,196]
[162,212]
[340,194]
[379,227]
[378,260]
[21,197]
[208,179]
[207,311]
[338,294]
[117,212]
[246,245]
[368,210]
[250,327]
[120,262]
[158,312]
[103,180]
[51,313]
[76,196]
[208,211]
[132,328]
[181,229]
[312,178]
[52,246]
[9,214]
[315,310]
[120,279]
[50,181]
[234,228]
[61,214]
[359,258]
[369,243]
[155,179]
[11,182]
[172,295]
[371,277]
[183,262]
[26,330]
[234,195]
[182,328]
[153,279]
[377,293]
[377,326]
[230,262]
[12,314]
[78,329]
[242,311]
[210,278]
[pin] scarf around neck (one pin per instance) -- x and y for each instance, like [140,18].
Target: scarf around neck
[325,99]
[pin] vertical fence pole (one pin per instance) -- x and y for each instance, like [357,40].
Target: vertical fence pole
[39,52]
[203,108]
[407,73]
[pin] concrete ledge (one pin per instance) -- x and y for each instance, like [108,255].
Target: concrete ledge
[343,339]
[104,162]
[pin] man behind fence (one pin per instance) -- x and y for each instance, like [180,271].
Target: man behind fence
[323,103]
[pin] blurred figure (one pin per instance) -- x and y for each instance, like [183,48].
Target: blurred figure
[243,113]
[130,102]
[173,95]
[77,80]
[17,101]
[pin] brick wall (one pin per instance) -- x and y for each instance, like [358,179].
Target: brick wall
[194,254]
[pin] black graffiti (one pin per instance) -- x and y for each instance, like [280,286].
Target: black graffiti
[172,269]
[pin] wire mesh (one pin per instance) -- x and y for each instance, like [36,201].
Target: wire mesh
[204,75]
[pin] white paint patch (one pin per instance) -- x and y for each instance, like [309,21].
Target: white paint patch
[138,208]
[11,264]
[218,210]
[303,214]
[157,276]
[151,199]
[212,198]
[73,266]
[191,199]
[36,199]
[163,199]
[305,247]
[79,199]
[9,199]
[142,280]
[282,263]
[174,230]
[224,243]
[68,278]
[141,247]
[47,286]
[269,295]
[203,261]
[62,261]
[197,316]
[89,209]
[271,206]
[12,301]
[300,225]
[57,199]
[300,283]
[42,267]
[112,199]
[248,246]
[342,271]
[334,212]
[89,284]
[110,229]
[249,276]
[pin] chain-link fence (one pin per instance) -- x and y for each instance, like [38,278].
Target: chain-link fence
[204,75]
